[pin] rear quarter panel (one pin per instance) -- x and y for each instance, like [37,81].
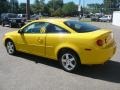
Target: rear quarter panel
[55,42]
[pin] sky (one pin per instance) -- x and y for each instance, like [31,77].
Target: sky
[83,2]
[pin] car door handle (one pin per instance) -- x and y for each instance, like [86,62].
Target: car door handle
[40,40]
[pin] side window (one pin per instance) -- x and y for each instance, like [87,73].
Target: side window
[34,27]
[51,28]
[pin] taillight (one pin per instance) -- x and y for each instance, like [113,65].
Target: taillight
[99,42]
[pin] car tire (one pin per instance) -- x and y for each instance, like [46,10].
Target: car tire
[69,60]
[10,47]
[19,25]
[10,25]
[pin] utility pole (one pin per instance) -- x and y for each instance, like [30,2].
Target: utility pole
[28,9]
[12,3]
[79,9]
[53,5]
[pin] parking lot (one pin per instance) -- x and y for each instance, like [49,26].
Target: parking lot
[28,72]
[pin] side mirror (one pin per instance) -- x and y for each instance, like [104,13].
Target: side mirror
[20,31]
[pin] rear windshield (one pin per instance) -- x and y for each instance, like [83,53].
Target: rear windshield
[80,27]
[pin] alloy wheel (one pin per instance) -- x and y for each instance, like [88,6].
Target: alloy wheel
[68,61]
[10,47]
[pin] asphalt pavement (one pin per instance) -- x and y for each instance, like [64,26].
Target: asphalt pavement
[28,72]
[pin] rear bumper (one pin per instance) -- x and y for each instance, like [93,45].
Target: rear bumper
[97,56]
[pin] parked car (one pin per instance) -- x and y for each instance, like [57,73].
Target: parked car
[35,17]
[86,15]
[95,18]
[106,18]
[70,42]
[23,16]
[12,20]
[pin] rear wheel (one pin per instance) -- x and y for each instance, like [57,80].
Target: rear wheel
[69,61]
[10,47]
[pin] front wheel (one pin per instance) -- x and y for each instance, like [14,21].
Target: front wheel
[11,25]
[3,24]
[10,47]
[69,61]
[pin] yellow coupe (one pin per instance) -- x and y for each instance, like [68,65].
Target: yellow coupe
[70,42]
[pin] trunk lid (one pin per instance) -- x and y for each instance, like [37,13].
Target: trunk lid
[106,36]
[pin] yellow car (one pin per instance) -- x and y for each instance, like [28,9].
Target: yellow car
[70,42]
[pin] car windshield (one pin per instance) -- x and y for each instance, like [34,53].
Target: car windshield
[104,16]
[80,27]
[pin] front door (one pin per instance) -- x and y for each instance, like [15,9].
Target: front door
[32,40]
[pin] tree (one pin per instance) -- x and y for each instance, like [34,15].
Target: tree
[111,5]
[54,6]
[46,11]
[4,6]
[69,8]
[14,6]
[38,6]
[58,12]
[95,8]
[22,8]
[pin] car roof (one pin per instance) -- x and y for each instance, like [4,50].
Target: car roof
[52,20]
[56,21]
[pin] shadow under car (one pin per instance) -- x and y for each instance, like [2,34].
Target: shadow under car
[107,72]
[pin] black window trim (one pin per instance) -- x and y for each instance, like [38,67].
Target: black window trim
[80,32]
[67,32]
[29,25]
